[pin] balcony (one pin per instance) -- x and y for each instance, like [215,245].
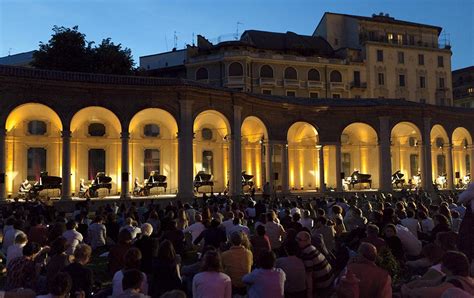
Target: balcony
[235,81]
[315,84]
[417,41]
[267,82]
[291,83]
[358,85]
[338,86]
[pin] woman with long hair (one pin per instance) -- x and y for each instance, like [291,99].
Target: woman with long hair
[211,282]
[166,274]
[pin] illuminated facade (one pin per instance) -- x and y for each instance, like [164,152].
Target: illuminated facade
[75,125]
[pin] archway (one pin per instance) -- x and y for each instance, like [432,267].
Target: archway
[95,146]
[154,147]
[406,152]
[211,147]
[254,140]
[439,155]
[462,157]
[359,152]
[33,144]
[303,159]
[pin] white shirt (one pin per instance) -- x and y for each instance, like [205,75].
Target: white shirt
[97,235]
[412,224]
[274,232]
[9,238]
[210,284]
[117,284]
[427,225]
[228,224]
[195,229]
[73,238]
[14,251]
[239,228]
[307,223]
[133,230]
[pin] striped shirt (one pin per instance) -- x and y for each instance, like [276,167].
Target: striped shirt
[316,262]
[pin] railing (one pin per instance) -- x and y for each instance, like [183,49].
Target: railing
[338,85]
[364,37]
[360,85]
[315,84]
[267,81]
[291,83]
[235,80]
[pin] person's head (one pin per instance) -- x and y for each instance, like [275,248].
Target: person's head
[446,240]
[166,251]
[21,239]
[229,215]
[58,246]
[132,280]
[147,229]
[455,214]
[125,237]
[372,230]
[211,261]
[266,259]
[31,249]
[236,221]
[291,248]
[336,209]
[215,223]
[410,213]
[132,258]
[303,238]
[261,230]
[60,285]
[236,238]
[368,251]
[82,253]
[71,225]
[390,231]
[321,221]
[99,219]
[455,263]
[198,217]
[441,219]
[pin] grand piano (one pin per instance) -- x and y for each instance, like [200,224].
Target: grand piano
[100,181]
[247,180]
[45,182]
[358,178]
[203,179]
[155,180]
[397,179]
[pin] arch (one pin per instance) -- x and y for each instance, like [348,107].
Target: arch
[460,137]
[236,69]
[463,160]
[291,73]
[439,154]
[314,75]
[360,151]
[254,138]
[93,154]
[406,151]
[28,154]
[164,119]
[212,156]
[303,158]
[202,74]
[266,71]
[335,76]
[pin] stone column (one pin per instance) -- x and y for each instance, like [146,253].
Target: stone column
[285,189]
[125,193]
[3,178]
[236,154]
[426,169]
[269,163]
[66,165]
[449,168]
[322,182]
[185,151]
[338,168]
[385,161]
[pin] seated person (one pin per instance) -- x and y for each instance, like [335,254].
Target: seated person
[84,190]
[138,188]
[25,187]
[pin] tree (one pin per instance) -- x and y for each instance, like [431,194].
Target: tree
[69,50]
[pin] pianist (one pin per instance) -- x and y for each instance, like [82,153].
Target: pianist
[25,186]
[138,188]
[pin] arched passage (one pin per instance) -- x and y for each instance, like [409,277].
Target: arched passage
[33,144]
[211,147]
[439,154]
[254,140]
[462,157]
[154,146]
[406,152]
[303,160]
[359,151]
[95,146]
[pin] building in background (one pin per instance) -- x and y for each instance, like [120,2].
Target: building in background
[463,87]
[21,59]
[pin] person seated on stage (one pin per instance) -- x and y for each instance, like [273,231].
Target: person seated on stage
[84,190]
[25,187]
[152,177]
[138,188]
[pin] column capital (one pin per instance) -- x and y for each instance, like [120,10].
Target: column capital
[66,133]
[125,135]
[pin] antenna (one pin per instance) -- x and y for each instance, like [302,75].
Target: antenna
[175,39]
[9,51]
[166,42]
[236,37]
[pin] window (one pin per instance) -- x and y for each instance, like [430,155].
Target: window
[381,79]
[422,82]
[411,39]
[439,142]
[441,164]
[470,90]
[266,71]
[36,163]
[401,80]
[151,161]
[441,83]
[313,95]
[207,162]
[414,164]
[401,57]
[267,91]
[206,134]
[346,164]
[236,70]
[440,61]
[379,55]
[37,128]
[336,95]
[202,74]
[412,141]
[291,74]
[96,162]
[356,78]
[151,130]
[291,93]
[335,76]
[390,37]
[96,130]
[399,39]
[421,59]
[313,75]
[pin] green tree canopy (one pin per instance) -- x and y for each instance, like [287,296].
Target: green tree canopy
[69,50]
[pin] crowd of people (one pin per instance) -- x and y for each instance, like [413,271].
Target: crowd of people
[405,245]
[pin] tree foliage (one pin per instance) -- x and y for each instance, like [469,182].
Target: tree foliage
[69,50]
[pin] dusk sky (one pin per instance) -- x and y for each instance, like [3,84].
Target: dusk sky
[148,26]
